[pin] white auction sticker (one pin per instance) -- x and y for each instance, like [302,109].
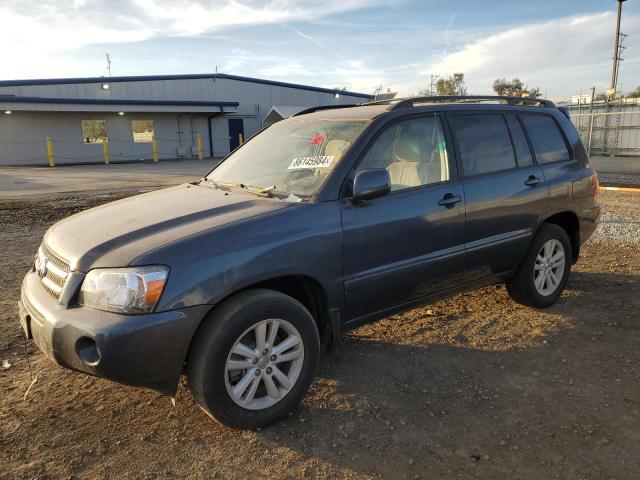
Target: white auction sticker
[319,161]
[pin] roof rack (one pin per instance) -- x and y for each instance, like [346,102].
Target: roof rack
[323,107]
[410,102]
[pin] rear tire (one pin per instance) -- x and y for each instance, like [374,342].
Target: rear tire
[236,375]
[543,275]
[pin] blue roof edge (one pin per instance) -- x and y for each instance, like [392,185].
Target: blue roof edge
[101,101]
[193,76]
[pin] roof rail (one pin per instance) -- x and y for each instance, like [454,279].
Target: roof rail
[411,101]
[386,101]
[323,107]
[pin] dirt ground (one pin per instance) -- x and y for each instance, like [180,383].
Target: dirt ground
[474,386]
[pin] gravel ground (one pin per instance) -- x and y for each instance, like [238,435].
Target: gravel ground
[470,387]
[620,220]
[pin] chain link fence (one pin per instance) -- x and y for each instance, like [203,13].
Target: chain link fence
[611,135]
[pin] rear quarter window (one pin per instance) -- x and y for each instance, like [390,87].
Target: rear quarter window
[547,140]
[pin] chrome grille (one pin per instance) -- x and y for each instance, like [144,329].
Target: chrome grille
[52,270]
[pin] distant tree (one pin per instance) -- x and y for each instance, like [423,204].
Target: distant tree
[454,85]
[635,94]
[601,96]
[514,88]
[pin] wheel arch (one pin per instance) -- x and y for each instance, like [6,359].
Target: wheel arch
[303,288]
[308,291]
[570,222]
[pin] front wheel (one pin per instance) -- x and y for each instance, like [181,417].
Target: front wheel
[543,275]
[254,358]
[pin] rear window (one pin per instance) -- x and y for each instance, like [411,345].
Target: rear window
[484,143]
[546,138]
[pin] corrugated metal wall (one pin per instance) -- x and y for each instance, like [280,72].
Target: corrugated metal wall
[23,133]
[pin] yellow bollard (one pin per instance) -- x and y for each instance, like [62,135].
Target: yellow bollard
[241,138]
[154,147]
[199,140]
[105,149]
[52,159]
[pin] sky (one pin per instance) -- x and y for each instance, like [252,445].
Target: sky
[564,47]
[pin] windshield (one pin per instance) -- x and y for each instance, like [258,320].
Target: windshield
[291,157]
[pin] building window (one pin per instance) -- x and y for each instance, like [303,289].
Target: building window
[94,131]
[142,130]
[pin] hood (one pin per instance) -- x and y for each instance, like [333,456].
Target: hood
[114,234]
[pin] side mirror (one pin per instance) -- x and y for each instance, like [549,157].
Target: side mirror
[370,184]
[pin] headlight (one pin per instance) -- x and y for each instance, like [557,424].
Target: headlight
[126,290]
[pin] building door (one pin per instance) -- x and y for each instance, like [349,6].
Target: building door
[236,133]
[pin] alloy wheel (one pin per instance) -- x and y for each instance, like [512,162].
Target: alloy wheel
[548,269]
[264,364]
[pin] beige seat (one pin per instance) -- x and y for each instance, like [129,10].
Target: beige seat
[406,174]
[408,169]
[335,148]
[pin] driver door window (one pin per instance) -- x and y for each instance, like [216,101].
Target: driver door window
[412,151]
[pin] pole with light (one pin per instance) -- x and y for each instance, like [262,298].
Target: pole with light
[616,53]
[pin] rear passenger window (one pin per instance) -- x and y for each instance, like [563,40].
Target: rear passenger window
[484,143]
[548,143]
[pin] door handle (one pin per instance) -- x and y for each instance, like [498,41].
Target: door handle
[449,200]
[532,180]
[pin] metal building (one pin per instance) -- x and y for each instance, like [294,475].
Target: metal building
[78,120]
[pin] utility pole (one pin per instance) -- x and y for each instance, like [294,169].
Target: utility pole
[433,81]
[621,48]
[108,64]
[616,53]
[593,99]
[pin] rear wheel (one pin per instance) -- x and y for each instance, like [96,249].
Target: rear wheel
[254,358]
[543,274]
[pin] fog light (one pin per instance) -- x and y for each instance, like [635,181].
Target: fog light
[88,351]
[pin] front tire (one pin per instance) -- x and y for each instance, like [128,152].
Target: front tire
[253,359]
[543,275]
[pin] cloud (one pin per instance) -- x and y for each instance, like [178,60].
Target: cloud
[322,43]
[560,56]
[48,37]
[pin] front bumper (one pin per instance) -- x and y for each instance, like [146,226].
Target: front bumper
[141,350]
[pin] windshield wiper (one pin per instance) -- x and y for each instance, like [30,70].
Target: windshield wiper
[267,189]
[222,185]
[270,191]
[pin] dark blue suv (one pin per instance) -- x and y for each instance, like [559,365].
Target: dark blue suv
[324,221]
